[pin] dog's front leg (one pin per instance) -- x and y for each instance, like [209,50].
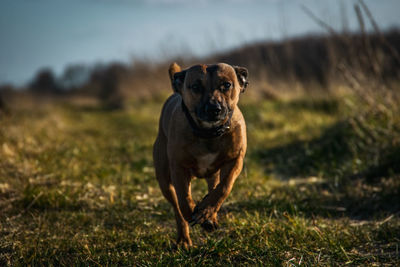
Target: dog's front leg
[181,182]
[211,204]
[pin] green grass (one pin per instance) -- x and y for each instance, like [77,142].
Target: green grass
[77,187]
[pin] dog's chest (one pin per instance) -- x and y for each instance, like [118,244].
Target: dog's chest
[204,163]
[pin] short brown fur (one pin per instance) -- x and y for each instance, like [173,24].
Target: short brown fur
[179,155]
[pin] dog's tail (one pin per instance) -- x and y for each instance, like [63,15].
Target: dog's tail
[173,68]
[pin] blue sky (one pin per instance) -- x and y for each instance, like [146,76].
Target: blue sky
[55,33]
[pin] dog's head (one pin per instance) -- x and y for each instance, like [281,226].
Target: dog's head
[210,92]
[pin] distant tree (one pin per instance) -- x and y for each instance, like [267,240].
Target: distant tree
[5,90]
[44,83]
[74,76]
[2,103]
[109,79]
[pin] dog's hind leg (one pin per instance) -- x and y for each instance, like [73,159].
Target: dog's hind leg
[213,181]
[212,223]
[167,189]
[213,201]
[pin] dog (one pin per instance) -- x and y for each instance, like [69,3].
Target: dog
[202,133]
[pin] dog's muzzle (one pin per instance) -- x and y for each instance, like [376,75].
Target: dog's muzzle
[212,112]
[216,129]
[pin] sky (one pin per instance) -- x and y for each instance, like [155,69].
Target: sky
[56,33]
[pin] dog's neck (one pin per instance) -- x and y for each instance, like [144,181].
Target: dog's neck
[207,133]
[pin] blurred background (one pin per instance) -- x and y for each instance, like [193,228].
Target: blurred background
[82,83]
[73,44]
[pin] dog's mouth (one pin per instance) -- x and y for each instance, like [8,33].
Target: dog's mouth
[213,124]
[210,116]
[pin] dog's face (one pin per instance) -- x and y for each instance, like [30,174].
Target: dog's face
[211,91]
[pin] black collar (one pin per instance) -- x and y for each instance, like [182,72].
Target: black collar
[207,132]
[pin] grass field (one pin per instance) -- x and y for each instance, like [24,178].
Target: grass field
[77,187]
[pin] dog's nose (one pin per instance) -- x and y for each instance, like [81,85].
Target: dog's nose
[213,109]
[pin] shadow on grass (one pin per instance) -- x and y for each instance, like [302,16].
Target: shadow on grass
[356,200]
[359,164]
[343,151]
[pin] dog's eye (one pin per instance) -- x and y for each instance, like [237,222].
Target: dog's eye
[195,87]
[226,86]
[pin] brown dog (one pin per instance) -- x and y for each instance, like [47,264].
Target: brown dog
[202,133]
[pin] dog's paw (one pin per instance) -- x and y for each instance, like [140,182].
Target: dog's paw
[209,225]
[199,215]
[183,243]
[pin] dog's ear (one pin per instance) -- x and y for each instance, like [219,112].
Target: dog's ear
[177,82]
[177,77]
[242,75]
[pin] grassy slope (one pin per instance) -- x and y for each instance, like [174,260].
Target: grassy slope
[77,187]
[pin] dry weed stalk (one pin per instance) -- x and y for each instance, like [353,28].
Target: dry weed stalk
[363,69]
